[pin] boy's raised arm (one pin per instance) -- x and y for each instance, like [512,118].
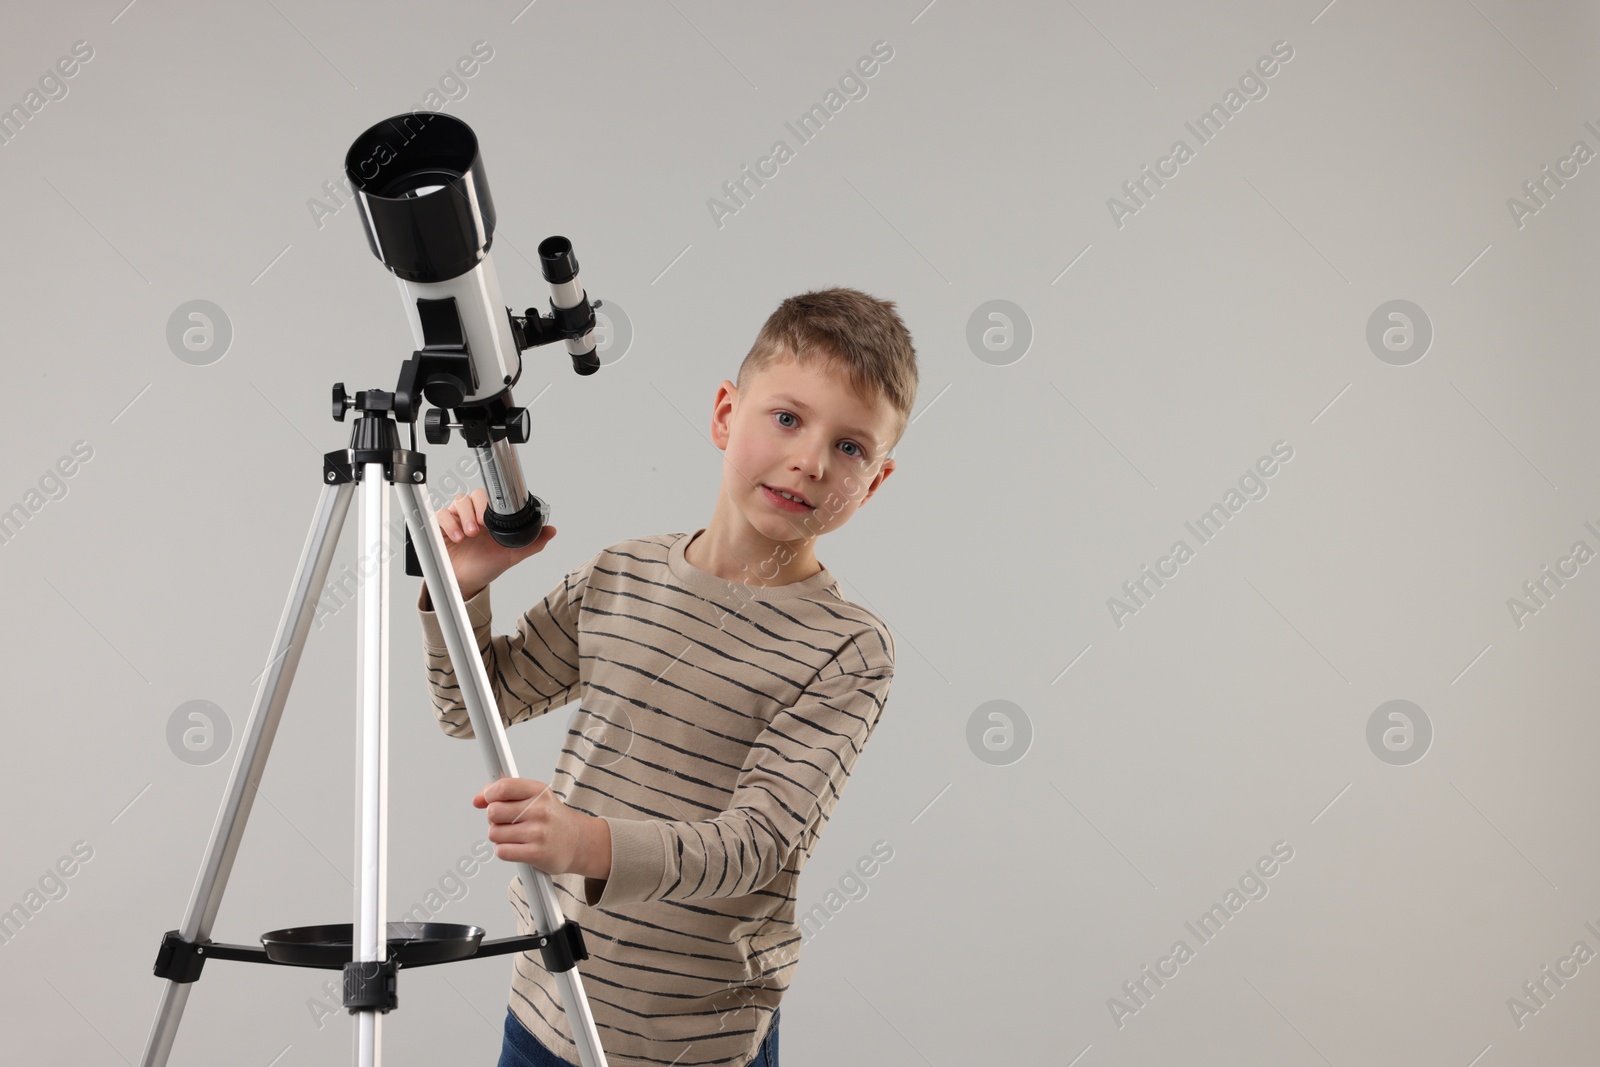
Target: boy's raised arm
[530,671]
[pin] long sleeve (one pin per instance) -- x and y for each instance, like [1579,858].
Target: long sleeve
[530,671]
[784,795]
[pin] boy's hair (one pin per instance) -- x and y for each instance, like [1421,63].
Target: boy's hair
[851,333]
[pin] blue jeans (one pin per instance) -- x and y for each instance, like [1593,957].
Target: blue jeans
[522,1049]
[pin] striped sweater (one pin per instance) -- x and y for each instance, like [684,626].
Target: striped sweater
[717,724]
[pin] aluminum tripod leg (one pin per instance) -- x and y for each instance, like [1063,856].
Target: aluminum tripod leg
[370,934]
[488,728]
[255,745]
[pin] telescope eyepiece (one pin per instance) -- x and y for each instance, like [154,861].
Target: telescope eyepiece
[557,261]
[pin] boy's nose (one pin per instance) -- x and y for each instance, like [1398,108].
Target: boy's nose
[808,460]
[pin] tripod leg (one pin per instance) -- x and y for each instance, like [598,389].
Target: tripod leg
[370,933]
[255,745]
[489,729]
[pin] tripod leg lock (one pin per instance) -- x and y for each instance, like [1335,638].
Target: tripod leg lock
[336,468]
[178,960]
[562,948]
[370,984]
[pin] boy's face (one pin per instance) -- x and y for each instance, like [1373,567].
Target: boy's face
[800,429]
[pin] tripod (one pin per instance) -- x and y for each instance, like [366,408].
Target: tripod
[369,952]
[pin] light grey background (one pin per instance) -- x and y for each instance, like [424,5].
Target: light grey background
[1229,313]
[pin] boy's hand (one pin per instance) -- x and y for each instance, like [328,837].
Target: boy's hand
[477,557]
[529,824]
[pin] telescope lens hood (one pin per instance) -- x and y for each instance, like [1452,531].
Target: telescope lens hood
[424,199]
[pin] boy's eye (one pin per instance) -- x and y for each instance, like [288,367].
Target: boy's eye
[781,414]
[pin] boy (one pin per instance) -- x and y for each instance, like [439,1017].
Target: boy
[726,690]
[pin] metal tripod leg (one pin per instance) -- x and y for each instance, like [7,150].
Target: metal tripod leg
[370,934]
[256,743]
[487,727]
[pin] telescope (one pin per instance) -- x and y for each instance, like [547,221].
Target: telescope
[429,218]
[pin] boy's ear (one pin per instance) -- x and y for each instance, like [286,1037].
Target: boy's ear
[722,413]
[878,480]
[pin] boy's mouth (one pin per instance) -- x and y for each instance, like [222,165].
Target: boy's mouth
[782,501]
